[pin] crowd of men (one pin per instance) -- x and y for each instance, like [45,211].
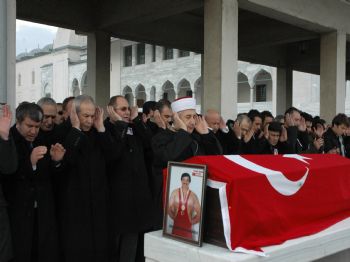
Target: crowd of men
[83,183]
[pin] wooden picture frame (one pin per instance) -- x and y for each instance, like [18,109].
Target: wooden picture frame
[184,202]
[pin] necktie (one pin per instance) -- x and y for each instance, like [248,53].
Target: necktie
[342,148]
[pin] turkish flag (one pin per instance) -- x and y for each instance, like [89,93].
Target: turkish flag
[268,199]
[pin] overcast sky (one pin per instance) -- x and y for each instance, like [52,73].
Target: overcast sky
[30,35]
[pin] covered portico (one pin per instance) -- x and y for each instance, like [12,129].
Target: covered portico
[308,36]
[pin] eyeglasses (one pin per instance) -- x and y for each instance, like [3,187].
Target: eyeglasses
[123,109]
[60,113]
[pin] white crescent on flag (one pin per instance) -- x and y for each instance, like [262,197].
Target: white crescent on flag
[276,178]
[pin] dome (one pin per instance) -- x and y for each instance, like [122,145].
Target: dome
[34,52]
[47,48]
[21,56]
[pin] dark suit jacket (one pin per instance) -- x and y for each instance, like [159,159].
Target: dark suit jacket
[8,164]
[130,191]
[179,146]
[25,189]
[82,194]
[331,140]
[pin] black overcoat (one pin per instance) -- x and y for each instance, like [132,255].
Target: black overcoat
[178,146]
[8,164]
[131,200]
[22,189]
[82,196]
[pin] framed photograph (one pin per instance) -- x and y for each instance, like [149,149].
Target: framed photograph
[185,193]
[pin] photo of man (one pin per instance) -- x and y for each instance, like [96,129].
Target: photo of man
[184,209]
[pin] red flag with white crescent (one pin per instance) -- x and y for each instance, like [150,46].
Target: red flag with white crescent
[266,200]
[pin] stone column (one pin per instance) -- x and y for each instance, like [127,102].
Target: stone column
[251,96]
[202,86]
[133,54]
[116,64]
[332,74]
[220,56]
[284,90]
[98,67]
[8,52]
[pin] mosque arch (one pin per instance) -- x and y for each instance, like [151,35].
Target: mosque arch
[152,93]
[243,88]
[168,91]
[198,90]
[184,88]
[84,83]
[128,94]
[141,96]
[262,86]
[47,90]
[75,87]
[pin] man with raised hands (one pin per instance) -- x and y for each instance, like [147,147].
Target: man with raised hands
[275,140]
[189,136]
[82,190]
[296,130]
[131,205]
[29,189]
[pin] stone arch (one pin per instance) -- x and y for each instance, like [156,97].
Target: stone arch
[84,83]
[262,86]
[128,94]
[75,87]
[168,91]
[243,88]
[184,88]
[198,90]
[47,90]
[141,96]
[152,94]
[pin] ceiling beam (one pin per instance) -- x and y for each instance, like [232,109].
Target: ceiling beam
[267,32]
[142,11]
[74,15]
[168,33]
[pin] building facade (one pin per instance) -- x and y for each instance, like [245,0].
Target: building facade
[143,72]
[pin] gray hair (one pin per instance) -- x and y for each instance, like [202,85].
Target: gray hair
[82,99]
[242,117]
[46,101]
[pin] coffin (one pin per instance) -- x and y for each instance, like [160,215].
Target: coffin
[254,201]
[213,230]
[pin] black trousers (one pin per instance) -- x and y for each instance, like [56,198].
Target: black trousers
[5,236]
[129,248]
[35,245]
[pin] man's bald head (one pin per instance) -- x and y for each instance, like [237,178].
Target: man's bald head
[213,119]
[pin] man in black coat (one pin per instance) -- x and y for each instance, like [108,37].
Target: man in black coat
[163,119]
[316,141]
[47,127]
[131,203]
[29,190]
[243,136]
[82,189]
[8,164]
[189,136]
[334,136]
[148,109]
[296,128]
[225,135]
[347,140]
[275,141]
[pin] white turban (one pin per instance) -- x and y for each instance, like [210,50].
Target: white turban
[183,103]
